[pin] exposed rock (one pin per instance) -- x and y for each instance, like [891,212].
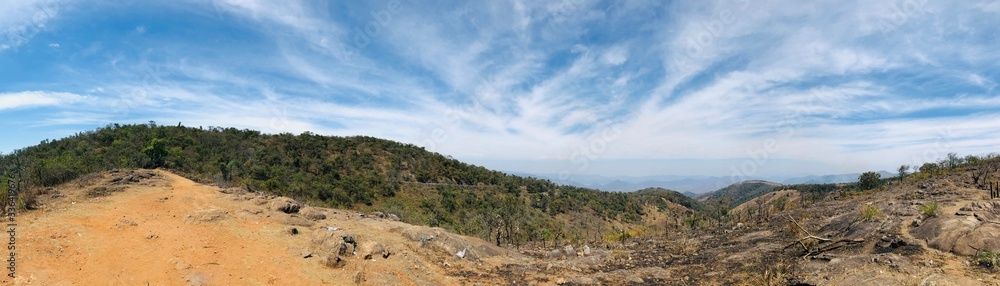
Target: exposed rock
[333,261]
[291,231]
[313,213]
[963,235]
[206,216]
[555,254]
[372,249]
[293,220]
[359,277]
[376,215]
[948,280]
[342,248]
[349,239]
[329,242]
[285,205]
[449,244]
[392,217]
[568,250]
[981,206]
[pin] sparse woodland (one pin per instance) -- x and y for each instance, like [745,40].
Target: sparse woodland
[360,173]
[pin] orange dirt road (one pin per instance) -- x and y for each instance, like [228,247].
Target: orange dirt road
[143,236]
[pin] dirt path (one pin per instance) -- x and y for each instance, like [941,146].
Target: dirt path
[168,230]
[140,236]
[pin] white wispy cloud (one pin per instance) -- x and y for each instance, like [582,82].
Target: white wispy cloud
[21,20]
[27,99]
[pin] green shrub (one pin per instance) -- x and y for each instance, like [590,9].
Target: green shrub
[989,259]
[869,212]
[929,210]
[869,180]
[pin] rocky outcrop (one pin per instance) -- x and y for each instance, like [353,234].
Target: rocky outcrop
[975,227]
[452,244]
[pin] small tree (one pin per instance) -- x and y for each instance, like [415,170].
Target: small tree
[157,151]
[953,160]
[902,172]
[928,168]
[869,180]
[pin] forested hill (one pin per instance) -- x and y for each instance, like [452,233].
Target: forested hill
[741,192]
[361,173]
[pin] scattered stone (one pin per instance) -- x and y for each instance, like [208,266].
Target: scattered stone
[312,213]
[376,215]
[291,231]
[555,254]
[350,239]
[306,253]
[586,250]
[392,217]
[446,243]
[568,250]
[372,249]
[285,205]
[333,261]
[293,220]
[359,277]
[342,248]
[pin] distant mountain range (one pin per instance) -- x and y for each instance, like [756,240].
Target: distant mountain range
[691,186]
[827,179]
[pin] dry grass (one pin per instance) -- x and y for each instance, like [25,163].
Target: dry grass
[870,212]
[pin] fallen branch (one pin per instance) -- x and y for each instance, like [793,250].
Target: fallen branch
[830,244]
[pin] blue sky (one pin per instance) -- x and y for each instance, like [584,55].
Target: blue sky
[736,87]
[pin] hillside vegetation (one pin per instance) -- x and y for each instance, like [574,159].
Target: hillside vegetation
[360,173]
